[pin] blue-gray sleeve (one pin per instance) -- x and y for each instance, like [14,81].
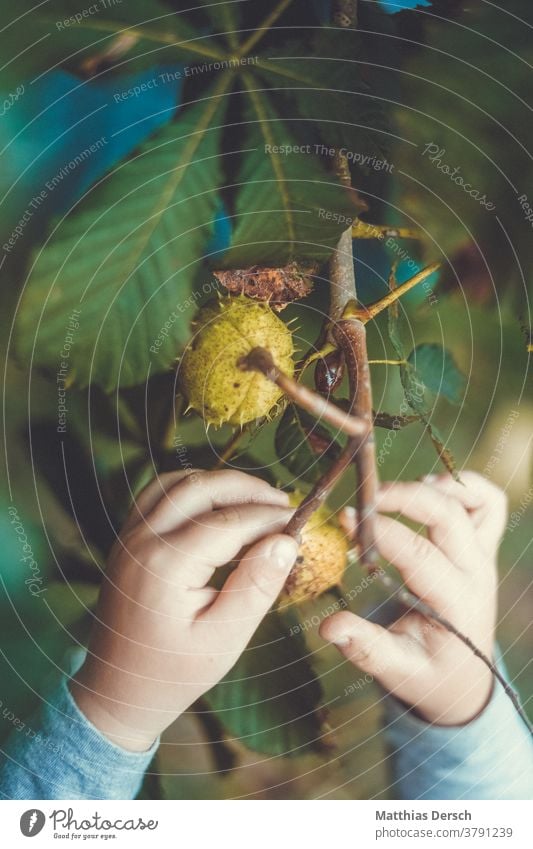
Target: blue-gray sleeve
[489,758]
[67,757]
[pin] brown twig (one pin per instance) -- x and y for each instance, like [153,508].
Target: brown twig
[260,359]
[229,449]
[341,270]
[321,489]
[350,335]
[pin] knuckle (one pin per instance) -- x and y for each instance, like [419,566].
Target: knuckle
[151,553]
[364,655]
[258,584]
[190,478]
[422,548]
[227,515]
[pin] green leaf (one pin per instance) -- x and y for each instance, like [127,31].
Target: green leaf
[296,433]
[288,206]
[224,18]
[39,37]
[415,390]
[127,258]
[269,699]
[437,369]
[325,87]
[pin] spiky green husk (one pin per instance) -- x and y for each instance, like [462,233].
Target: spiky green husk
[227,329]
[322,557]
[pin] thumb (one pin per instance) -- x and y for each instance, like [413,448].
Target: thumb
[253,586]
[380,653]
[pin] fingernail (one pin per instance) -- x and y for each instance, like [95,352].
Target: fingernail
[430,478]
[349,512]
[284,552]
[342,641]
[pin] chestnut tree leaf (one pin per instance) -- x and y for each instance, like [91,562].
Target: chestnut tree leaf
[304,446]
[437,369]
[415,390]
[38,37]
[270,700]
[287,204]
[128,258]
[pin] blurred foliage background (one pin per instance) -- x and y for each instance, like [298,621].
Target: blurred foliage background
[447,74]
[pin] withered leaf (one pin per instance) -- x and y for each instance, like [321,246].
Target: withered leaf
[278,286]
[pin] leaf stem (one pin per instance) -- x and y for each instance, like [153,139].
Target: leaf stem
[258,34]
[365,230]
[229,448]
[366,314]
[387,362]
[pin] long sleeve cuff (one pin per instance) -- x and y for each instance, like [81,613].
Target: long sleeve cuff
[489,758]
[68,758]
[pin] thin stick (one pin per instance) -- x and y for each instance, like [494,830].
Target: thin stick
[259,359]
[351,337]
[321,489]
[341,271]
[229,448]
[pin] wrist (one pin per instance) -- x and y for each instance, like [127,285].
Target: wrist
[466,705]
[106,715]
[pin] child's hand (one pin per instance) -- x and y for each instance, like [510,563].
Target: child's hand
[453,570]
[162,637]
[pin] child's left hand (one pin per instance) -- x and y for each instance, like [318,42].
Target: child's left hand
[162,636]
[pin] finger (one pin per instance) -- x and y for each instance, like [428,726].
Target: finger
[191,555]
[197,493]
[252,588]
[448,523]
[423,567]
[380,653]
[150,495]
[485,502]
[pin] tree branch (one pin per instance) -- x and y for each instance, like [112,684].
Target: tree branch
[350,335]
[322,489]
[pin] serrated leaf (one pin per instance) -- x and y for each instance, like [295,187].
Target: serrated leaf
[39,37]
[325,87]
[128,258]
[437,369]
[225,18]
[287,207]
[296,435]
[414,390]
[269,700]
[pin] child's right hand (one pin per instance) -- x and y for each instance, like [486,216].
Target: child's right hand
[162,637]
[453,569]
